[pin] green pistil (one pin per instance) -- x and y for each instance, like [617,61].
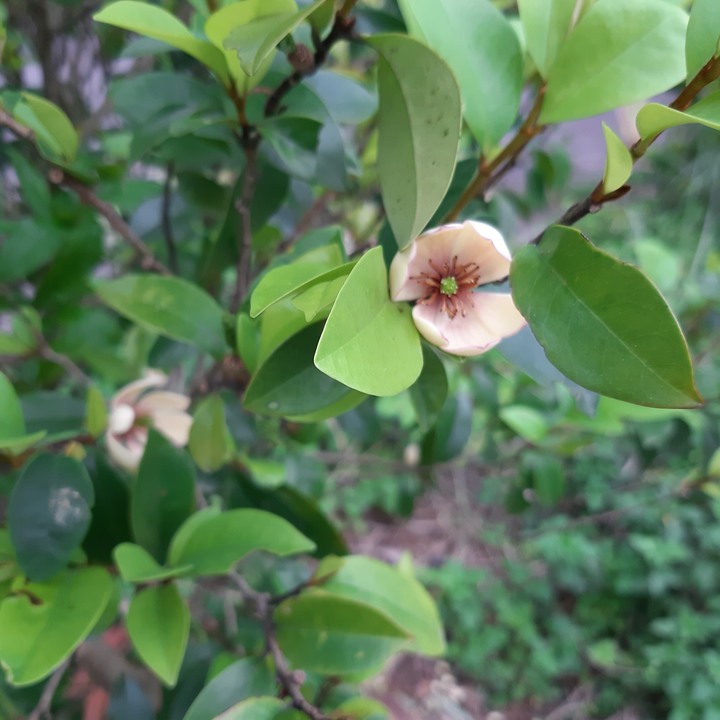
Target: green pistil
[448,286]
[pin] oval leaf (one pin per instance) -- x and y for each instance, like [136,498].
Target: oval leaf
[136,565]
[333,635]
[12,424]
[261,708]
[703,35]
[158,622]
[618,161]
[52,127]
[363,326]
[479,44]
[420,121]
[42,624]
[218,541]
[210,443]
[602,322]
[619,53]
[169,306]
[49,513]
[653,118]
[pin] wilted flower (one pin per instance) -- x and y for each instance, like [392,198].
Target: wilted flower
[441,271]
[137,407]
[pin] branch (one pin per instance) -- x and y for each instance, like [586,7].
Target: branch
[598,197]
[291,682]
[8,121]
[489,173]
[167,220]
[116,222]
[47,353]
[42,709]
[244,241]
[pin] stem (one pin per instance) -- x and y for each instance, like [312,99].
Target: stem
[487,173]
[167,220]
[42,709]
[24,133]
[116,222]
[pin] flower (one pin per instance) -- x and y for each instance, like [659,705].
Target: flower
[135,408]
[441,271]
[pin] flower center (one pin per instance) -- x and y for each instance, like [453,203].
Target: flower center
[449,286]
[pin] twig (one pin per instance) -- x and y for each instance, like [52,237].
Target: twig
[116,222]
[290,681]
[244,241]
[488,173]
[598,197]
[42,709]
[167,220]
[47,353]
[8,121]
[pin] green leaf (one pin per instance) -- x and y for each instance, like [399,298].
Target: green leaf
[245,678]
[420,122]
[429,393]
[12,424]
[448,437]
[528,423]
[333,635]
[289,385]
[154,22]
[255,41]
[169,306]
[653,118]
[703,35]
[216,542]
[363,325]
[96,412]
[546,476]
[602,322]
[401,597]
[49,513]
[618,161]
[210,442]
[362,708]
[319,297]
[221,24]
[260,708]
[618,54]
[41,625]
[52,127]
[163,495]
[546,26]
[136,565]
[483,51]
[158,622]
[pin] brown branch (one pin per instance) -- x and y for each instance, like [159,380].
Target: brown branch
[116,222]
[488,173]
[598,197]
[212,5]
[42,709]
[8,121]
[47,353]
[167,220]
[291,681]
[244,241]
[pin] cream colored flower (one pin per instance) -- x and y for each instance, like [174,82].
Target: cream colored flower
[441,271]
[137,407]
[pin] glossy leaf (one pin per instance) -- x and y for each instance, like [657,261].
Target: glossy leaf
[42,624]
[653,118]
[259,708]
[154,22]
[703,35]
[362,325]
[158,623]
[52,127]
[136,565]
[546,26]
[163,495]
[210,443]
[12,424]
[602,322]
[483,51]
[333,635]
[222,23]
[399,596]
[219,541]
[429,392]
[448,437]
[618,161]
[169,306]
[49,513]
[420,121]
[289,385]
[254,41]
[619,53]
[245,678]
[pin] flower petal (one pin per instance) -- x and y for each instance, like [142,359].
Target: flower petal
[130,393]
[175,426]
[127,457]
[491,318]
[158,400]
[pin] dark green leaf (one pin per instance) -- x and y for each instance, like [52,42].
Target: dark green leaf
[430,390]
[448,437]
[12,424]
